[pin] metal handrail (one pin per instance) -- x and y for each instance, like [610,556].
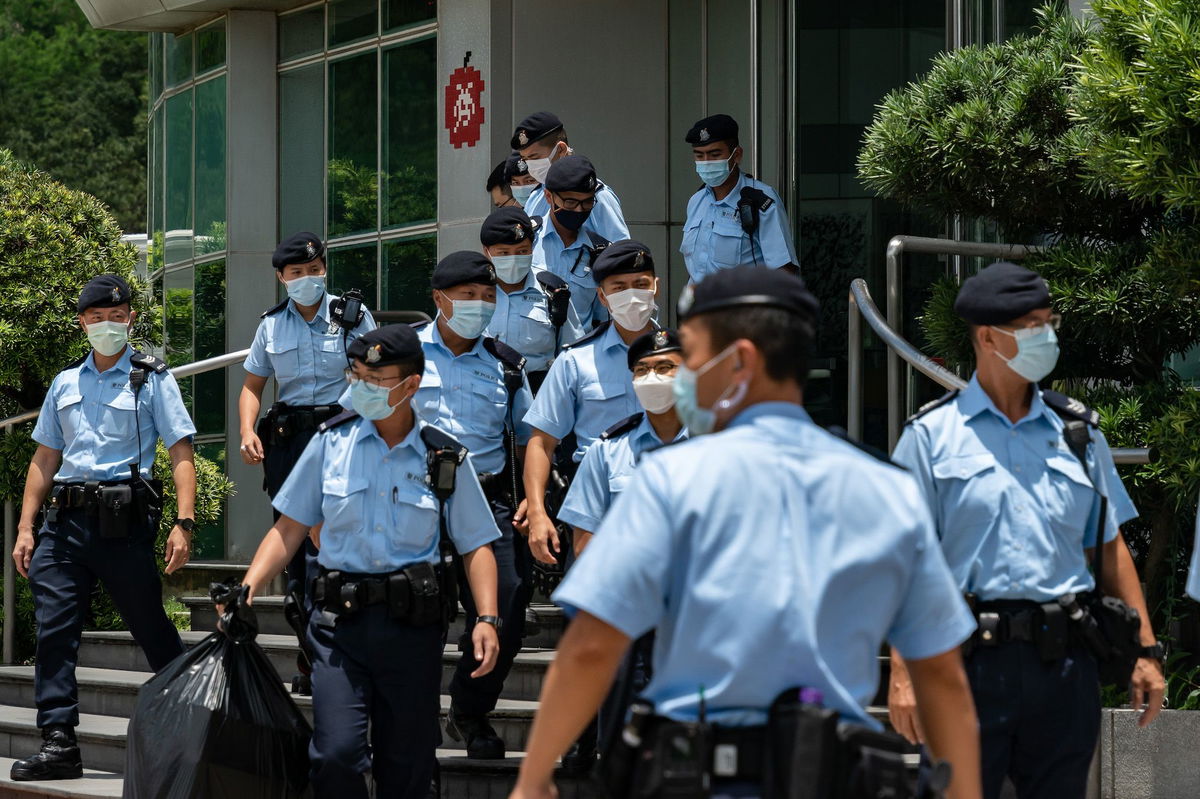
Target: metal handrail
[7,648]
[863,307]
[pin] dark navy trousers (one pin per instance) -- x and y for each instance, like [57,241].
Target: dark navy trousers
[478,697]
[1038,722]
[277,465]
[69,558]
[376,686]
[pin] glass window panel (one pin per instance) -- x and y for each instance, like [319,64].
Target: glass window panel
[302,33]
[410,131]
[179,59]
[353,128]
[179,178]
[178,313]
[350,20]
[157,142]
[209,539]
[156,65]
[210,342]
[210,47]
[210,166]
[407,267]
[301,150]
[354,267]
[401,13]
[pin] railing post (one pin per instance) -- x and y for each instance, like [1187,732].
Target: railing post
[854,386]
[10,576]
[895,276]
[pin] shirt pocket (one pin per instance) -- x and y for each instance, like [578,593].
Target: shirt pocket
[344,505]
[969,489]
[1069,498]
[118,421]
[414,523]
[285,359]
[727,239]
[603,396]
[535,334]
[690,234]
[69,408]
[428,399]
[489,408]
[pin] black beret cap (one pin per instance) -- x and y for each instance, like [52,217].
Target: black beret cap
[515,167]
[572,173]
[534,127]
[298,249]
[748,286]
[497,178]
[386,345]
[103,291]
[719,127]
[507,225]
[656,342]
[461,267]
[623,257]
[1001,293]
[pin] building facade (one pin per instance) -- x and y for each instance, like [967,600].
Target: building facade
[374,123]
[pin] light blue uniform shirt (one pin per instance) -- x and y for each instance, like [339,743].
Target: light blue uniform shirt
[89,417]
[768,556]
[465,396]
[713,238]
[605,472]
[1193,583]
[574,265]
[1011,503]
[307,359]
[379,514]
[522,321]
[589,388]
[605,220]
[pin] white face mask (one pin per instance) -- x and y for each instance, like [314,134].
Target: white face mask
[538,167]
[632,308]
[656,392]
[108,338]
[512,268]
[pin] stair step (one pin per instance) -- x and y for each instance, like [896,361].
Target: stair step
[101,738]
[94,785]
[118,650]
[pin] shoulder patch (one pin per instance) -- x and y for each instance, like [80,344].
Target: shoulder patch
[504,353]
[874,452]
[1070,408]
[337,421]
[933,406]
[598,242]
[437,439]
[757,198]
[147,361]
[591,335]
[622,427]
[274,309]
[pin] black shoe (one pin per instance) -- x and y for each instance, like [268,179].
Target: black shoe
[482,741]
[58,759]
[580,758]
[532,625]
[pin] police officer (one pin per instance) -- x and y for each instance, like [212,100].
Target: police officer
[563,248]
[474,387]
[733,219]
[378,631]
[588,387]
[1016,513]
[301,342]
[541,141]
[520,182]
[96,437]
[499,189]
[527,305]
[769,555]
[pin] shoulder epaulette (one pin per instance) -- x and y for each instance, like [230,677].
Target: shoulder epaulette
[592,334]
[622,427]
[536,221]
[874,452]
[550,281]
[337,421]
[147,361]
[504,353]
[598,241]
[78,361]
[756,197]
[438,439]
[933,406]
[1070,408]
[274,309]
[661,446]
[419,325]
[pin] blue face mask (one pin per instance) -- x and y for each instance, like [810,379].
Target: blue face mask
[521,193]
[1037,352]
[511,268]
[306,290]
[371,401]
[714,173]
[470,317]
[700,421]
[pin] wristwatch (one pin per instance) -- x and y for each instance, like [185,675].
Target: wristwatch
[187,525]
[495,621]
[1155,652]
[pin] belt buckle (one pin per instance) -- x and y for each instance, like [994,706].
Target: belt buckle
[991,628]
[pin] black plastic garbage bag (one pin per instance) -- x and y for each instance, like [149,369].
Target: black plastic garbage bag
[217,723]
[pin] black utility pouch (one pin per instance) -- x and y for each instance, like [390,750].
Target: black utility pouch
[426,601]
[1053,635]
[802,747]
[399,596]
[679,765]
[873,765]
[116,509]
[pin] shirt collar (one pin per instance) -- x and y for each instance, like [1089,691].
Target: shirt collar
[757,411]
[734,194]
[123,363]
[645,432]
[436,338]
[612,338]
[973,400]
[322,309]
[366,429]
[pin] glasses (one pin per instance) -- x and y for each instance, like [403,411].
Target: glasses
[661,369]
[385,382]
[1054,323]
[570,204]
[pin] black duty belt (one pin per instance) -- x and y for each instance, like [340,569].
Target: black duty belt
[1002,621]
[495,485]
[412,594]
[83,495]
[288,420]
